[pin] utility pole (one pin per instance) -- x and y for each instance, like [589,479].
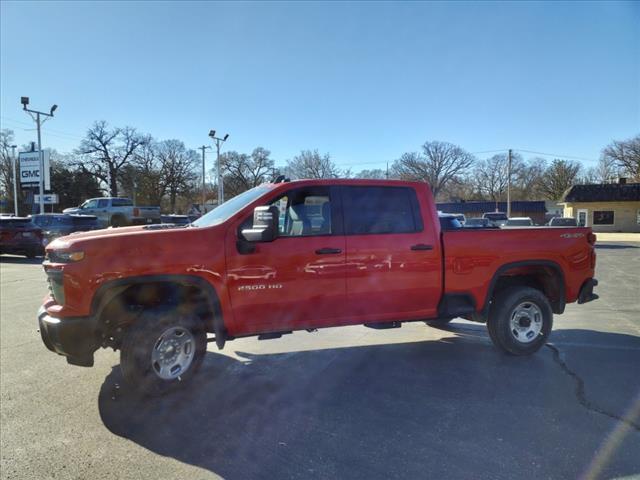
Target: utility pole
[509,186]
[387,175]
[219,142]
[204,191]
[15,180]
[25,103]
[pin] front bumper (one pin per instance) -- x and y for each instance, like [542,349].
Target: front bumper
[586,292]
[74,338]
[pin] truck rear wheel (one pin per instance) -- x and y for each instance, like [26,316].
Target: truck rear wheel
[520,320]
[162,350]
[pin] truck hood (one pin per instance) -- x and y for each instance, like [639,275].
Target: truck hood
[132,234]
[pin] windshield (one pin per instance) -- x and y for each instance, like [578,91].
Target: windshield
[230,207]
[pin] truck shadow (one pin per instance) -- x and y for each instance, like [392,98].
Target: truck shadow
[614,246]
[453,407]
[21,260]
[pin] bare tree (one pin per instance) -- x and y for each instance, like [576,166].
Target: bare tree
[105,151]
[146,178]
[243,171]
[438,164]
[310,164]
[6,168]
[177,167]
[527,181]
[376,173]
[626,154]
[490,177]
[558,177]
[606,171]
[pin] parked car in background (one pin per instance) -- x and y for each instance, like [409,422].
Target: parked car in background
[460,216]
[563,222]
[54,225]
[18,236]
[449,221]
[519,222]
[496,218]
[477,223]
[117,212]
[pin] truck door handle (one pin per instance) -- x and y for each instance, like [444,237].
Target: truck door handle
[421,246]
[328,251]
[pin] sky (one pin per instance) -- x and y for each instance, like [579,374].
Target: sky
[363,81]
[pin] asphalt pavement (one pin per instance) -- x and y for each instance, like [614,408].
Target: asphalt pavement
[414,402]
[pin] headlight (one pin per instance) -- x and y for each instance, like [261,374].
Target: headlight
[65,257]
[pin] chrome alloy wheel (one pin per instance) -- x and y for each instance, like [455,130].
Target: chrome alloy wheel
[173,353]
[526,322]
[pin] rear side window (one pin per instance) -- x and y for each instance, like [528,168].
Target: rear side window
[104,203]
[378,210]
[121,202]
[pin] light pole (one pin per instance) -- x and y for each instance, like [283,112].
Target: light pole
[204,187]
[219,141]
[25,102]
[15,180]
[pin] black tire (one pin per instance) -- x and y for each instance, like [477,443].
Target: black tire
[532,317]
[144,336]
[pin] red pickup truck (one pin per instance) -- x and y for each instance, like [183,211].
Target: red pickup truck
[302,255]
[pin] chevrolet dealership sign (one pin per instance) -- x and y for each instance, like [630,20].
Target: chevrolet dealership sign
[30,169]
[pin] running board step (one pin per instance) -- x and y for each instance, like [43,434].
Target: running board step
[269,336]
[383,325]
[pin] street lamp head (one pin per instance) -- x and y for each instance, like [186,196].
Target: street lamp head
[53,109]
[24,101]
[225,137]
[212,133]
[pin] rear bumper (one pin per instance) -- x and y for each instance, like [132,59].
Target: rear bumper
[75,338]
[586,292]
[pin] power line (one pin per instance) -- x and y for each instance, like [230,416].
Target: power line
[490,151]
[49,130]
[557,155]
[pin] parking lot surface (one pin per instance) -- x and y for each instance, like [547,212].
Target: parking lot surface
[414,402]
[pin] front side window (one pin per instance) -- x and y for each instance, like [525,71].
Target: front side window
[379,210]
[305,212]
[603,217]
[90,204]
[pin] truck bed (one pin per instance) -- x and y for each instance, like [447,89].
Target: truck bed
[472,256]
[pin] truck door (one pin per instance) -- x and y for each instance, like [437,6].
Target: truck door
[298,280]
[393,259]
[102,212]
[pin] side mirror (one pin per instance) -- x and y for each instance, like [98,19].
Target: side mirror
[265,225]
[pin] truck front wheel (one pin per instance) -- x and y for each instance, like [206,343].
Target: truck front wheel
[162,350]
[520,320]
